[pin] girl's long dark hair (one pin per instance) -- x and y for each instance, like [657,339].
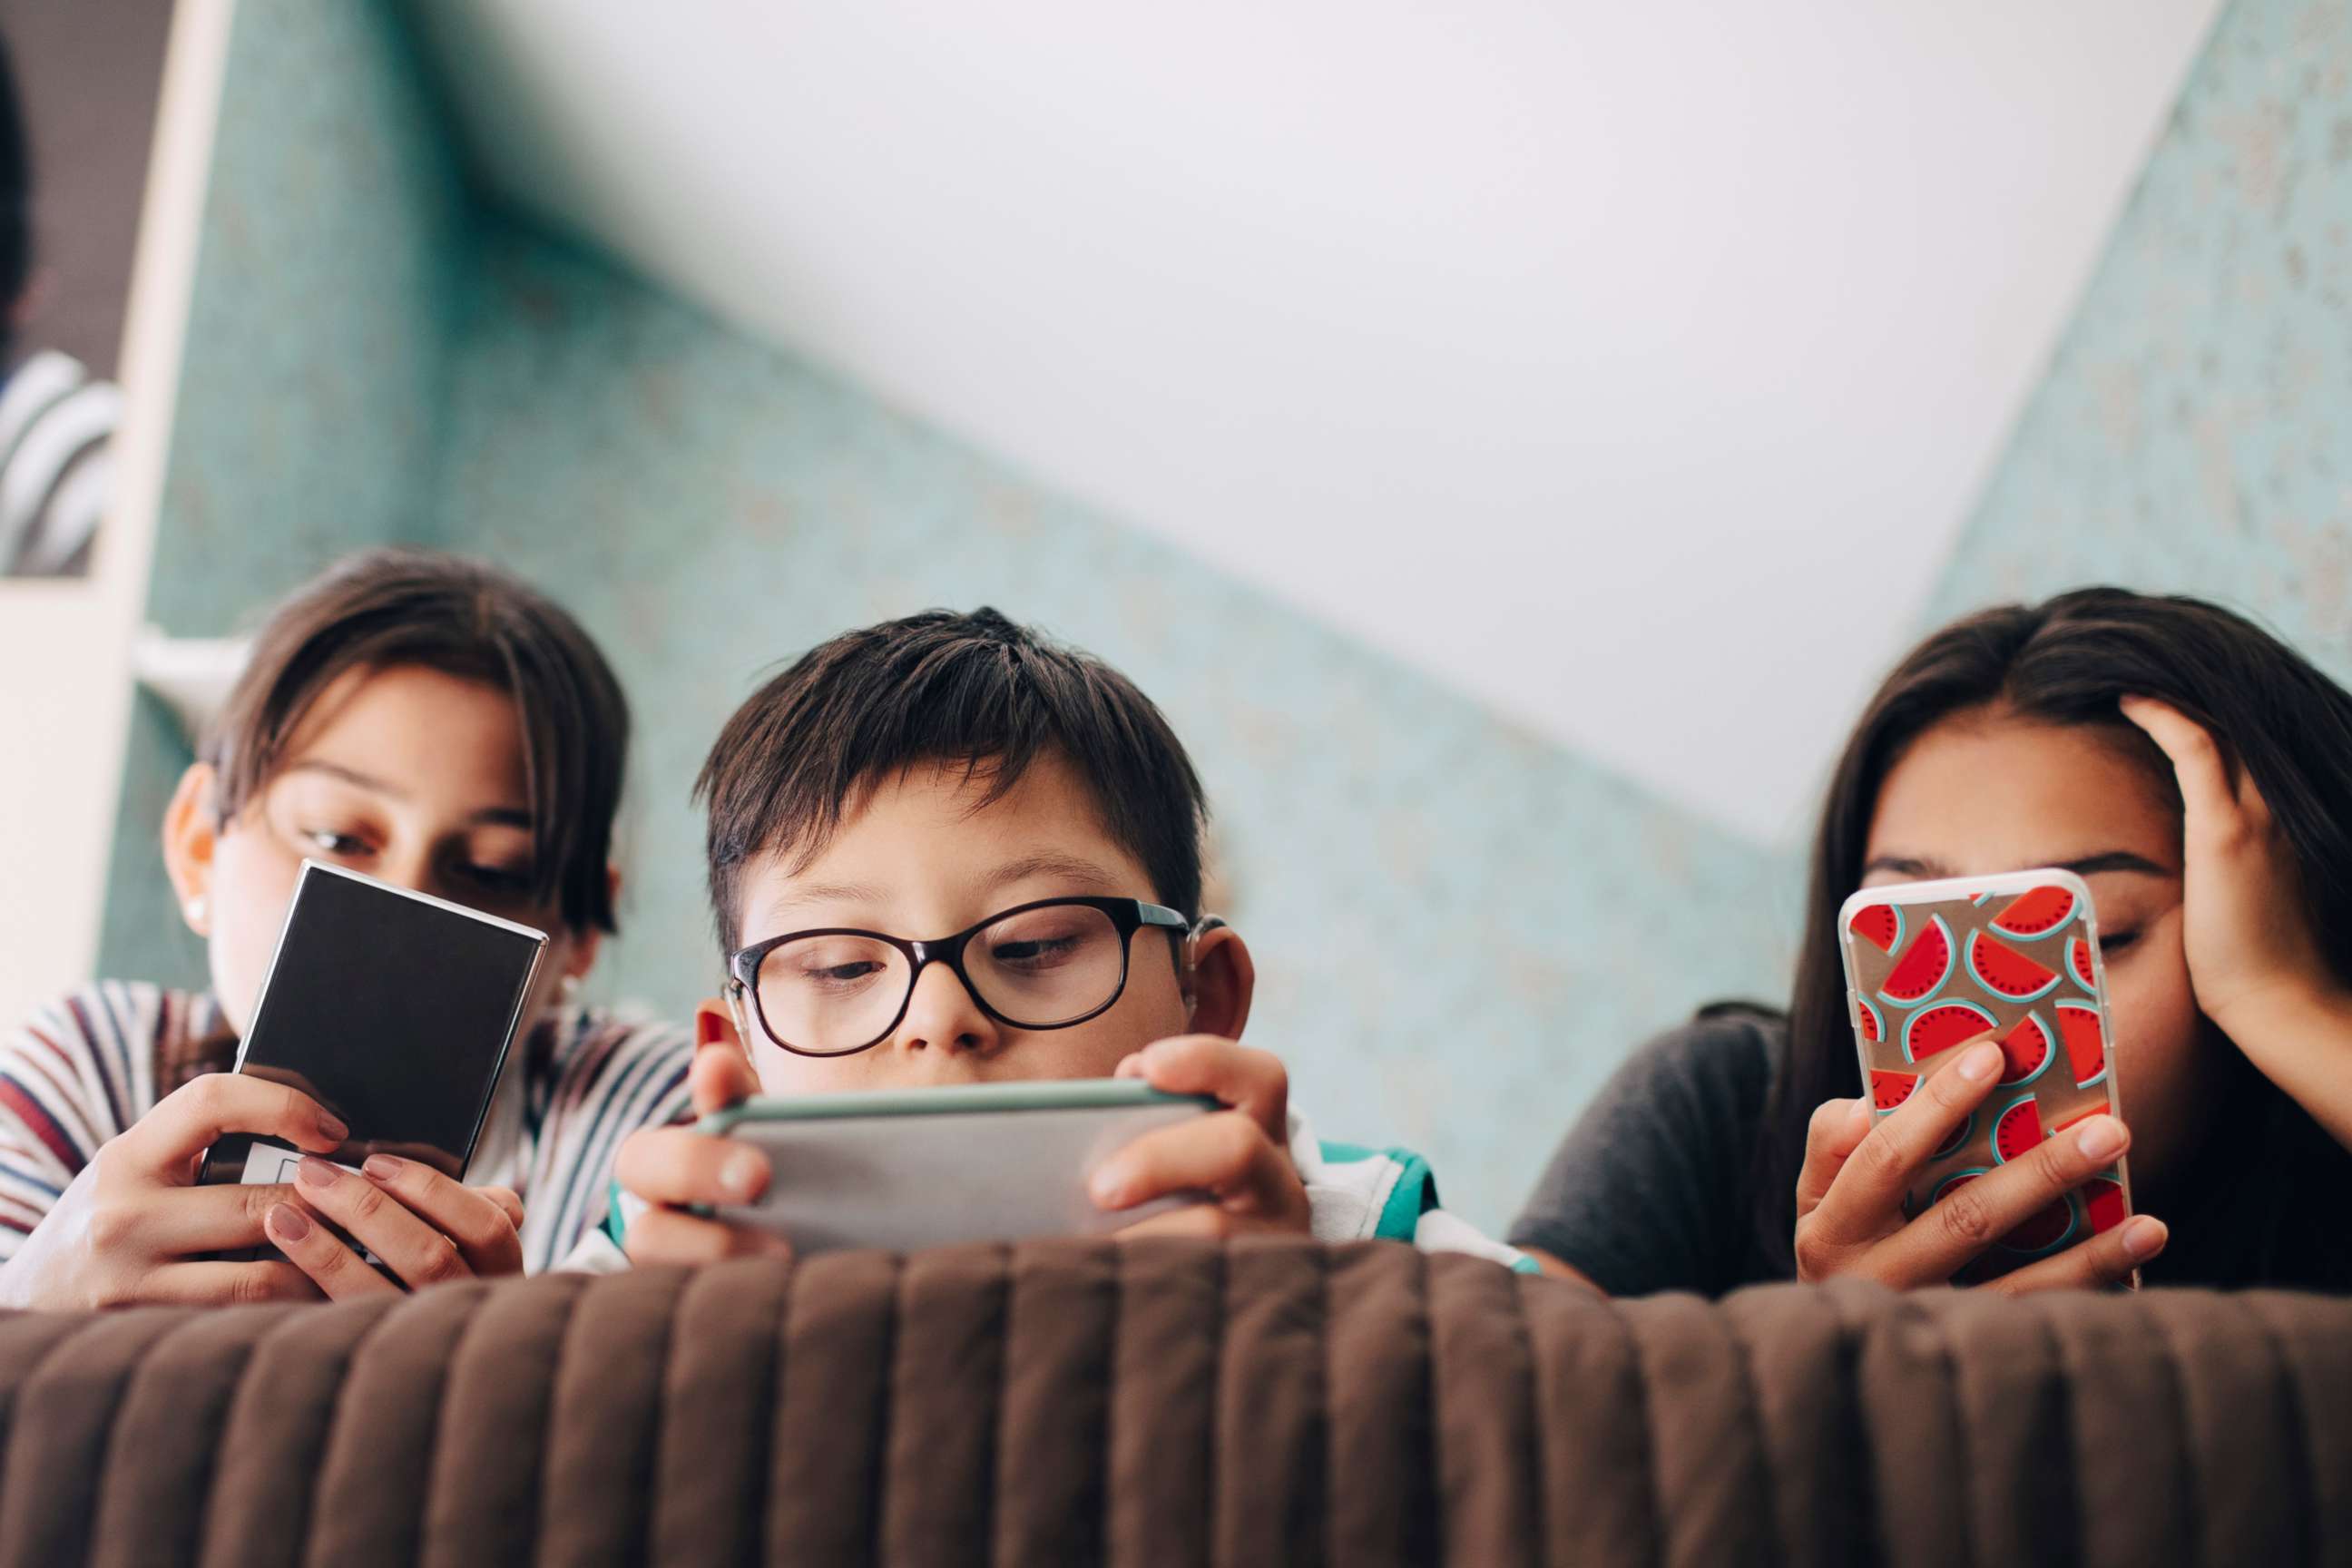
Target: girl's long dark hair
[2068,661]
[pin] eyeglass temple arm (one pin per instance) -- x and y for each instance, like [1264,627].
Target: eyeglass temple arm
[736,993]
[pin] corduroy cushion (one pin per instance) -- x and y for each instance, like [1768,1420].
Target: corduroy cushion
[1258,1403]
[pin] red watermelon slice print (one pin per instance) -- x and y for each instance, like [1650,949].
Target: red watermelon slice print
[1889,1088]
[2103,1203]
[2027,1049]
[2078,963]
[1881,925]
[1924,967]
[2034,915]
[2087,1043]
[2007,972]
[2019,1130]
[1942,1026]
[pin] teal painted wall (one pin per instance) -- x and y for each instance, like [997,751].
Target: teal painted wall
[1460,928]
[2191,433]
[310,404]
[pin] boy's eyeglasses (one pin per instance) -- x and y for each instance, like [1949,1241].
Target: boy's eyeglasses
[1045,966]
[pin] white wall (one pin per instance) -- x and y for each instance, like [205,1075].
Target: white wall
[64,647]
[1631,366]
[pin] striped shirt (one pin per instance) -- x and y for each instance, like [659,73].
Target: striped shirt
[86,1067]
[57,463]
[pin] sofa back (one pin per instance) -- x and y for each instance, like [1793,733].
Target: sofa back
[1246,1403]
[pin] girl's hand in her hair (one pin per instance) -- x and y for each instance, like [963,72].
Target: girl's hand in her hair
[1237,1159]
[1850,1218]
[672,1169]
[2254,958]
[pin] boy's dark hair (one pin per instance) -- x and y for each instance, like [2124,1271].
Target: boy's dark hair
[384,608]
[977,690]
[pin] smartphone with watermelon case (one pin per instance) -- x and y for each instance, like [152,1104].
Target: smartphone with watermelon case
[1931,965]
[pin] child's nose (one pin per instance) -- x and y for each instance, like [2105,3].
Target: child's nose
[410,869]
[942,1015]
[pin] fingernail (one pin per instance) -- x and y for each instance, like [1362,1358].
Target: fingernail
[316,1172]
[332,1126]
[1109,1189]
[740,1175]
[286,1224]
[383,1167]
[2100,1138]
[1980,1062]
[2144,1237]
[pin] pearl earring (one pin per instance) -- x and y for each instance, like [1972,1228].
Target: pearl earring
[196,908]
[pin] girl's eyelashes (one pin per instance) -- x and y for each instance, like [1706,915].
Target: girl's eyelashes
[329,841]
[2116,941]
[489,878]
[507,882]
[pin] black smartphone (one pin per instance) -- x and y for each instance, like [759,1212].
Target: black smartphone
[392,1009]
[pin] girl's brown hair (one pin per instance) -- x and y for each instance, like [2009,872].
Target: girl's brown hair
[384,608]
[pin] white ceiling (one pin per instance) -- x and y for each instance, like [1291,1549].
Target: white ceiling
[1631,367]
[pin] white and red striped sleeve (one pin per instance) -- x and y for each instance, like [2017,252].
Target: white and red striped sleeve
[608,1077]
[73,1075]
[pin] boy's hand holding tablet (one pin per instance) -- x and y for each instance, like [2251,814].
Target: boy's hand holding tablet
[1240,1158]
[1075,1156]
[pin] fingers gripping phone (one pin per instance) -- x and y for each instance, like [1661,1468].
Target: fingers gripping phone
[1933,965]
[913,1168]
[391,1009]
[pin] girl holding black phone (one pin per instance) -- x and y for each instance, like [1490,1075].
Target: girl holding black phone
[431,722]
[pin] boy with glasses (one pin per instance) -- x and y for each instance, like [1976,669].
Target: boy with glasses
[957,773]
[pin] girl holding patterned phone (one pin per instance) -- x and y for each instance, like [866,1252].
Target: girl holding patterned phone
[2195,773]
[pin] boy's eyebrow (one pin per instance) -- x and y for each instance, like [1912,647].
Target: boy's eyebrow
[1071,867]
[501,815]
[820,894]
[2086,866]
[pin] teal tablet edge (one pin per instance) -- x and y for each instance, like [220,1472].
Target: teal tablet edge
[1033,1094]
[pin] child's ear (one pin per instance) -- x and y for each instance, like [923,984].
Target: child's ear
[722,1073]
[715,1025]
[191,834]
[1223,980]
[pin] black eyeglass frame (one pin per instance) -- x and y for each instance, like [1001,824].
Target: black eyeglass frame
[1127,916]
